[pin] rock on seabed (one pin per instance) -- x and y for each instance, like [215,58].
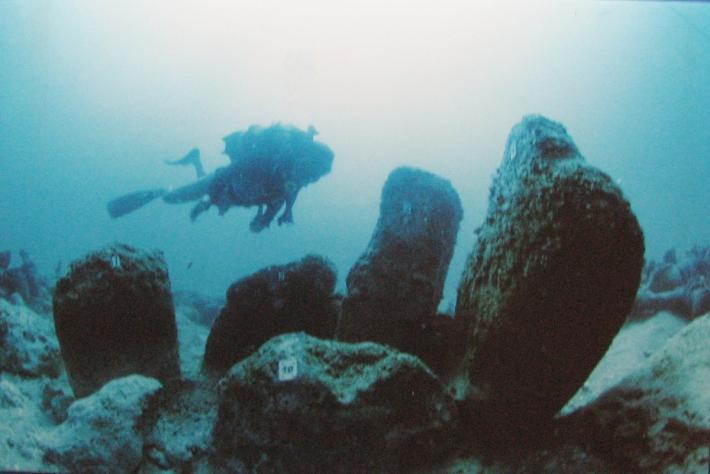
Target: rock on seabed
[28,345]
[302,401]
[103,432]
[396,285]
[658,418]
[550,280]
[114,316]
[273,301]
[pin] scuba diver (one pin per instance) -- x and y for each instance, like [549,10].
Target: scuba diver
[268,167]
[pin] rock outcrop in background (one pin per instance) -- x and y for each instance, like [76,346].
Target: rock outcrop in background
[275,300]
[550,280]
[22,283]
[114,316]
[199,309]
[396,285]
[679,286]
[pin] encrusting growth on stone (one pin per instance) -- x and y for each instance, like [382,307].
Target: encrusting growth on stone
[550,280]
[114,316]
[396,285]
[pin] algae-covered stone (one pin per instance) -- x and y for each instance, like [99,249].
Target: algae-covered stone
[396,285]
[181,436]
[114,316]
[104,432]
[658,418]
[300,403]
[550,280]
[21,428]
[28,345]
[276,300]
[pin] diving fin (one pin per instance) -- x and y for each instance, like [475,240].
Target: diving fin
[122,205]
[192,158]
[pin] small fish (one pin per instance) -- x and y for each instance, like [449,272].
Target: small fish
[189,265]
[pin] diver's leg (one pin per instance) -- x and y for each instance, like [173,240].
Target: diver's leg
[189,192]
[287,215]
[258,217]
[261,221]
[192,158]
[122,205]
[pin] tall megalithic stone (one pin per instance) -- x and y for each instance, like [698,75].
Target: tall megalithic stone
[114,316]
[396,285]
[550,280]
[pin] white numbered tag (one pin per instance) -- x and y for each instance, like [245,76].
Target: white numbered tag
[288,369]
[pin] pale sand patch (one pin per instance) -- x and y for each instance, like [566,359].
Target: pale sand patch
[629,350]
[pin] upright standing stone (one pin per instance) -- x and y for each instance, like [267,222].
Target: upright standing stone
[396,285]
[551,278]
[113,313]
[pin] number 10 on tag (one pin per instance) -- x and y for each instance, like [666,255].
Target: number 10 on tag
[288,369]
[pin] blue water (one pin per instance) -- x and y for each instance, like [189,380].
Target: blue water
[95,95]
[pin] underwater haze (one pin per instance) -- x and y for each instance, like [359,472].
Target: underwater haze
[96,95]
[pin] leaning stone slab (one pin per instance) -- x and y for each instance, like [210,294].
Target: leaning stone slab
[550,280]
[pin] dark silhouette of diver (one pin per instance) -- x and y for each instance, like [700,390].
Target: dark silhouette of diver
[268,167]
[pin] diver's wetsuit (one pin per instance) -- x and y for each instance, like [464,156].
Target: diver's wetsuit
[246,186]
[268,168]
